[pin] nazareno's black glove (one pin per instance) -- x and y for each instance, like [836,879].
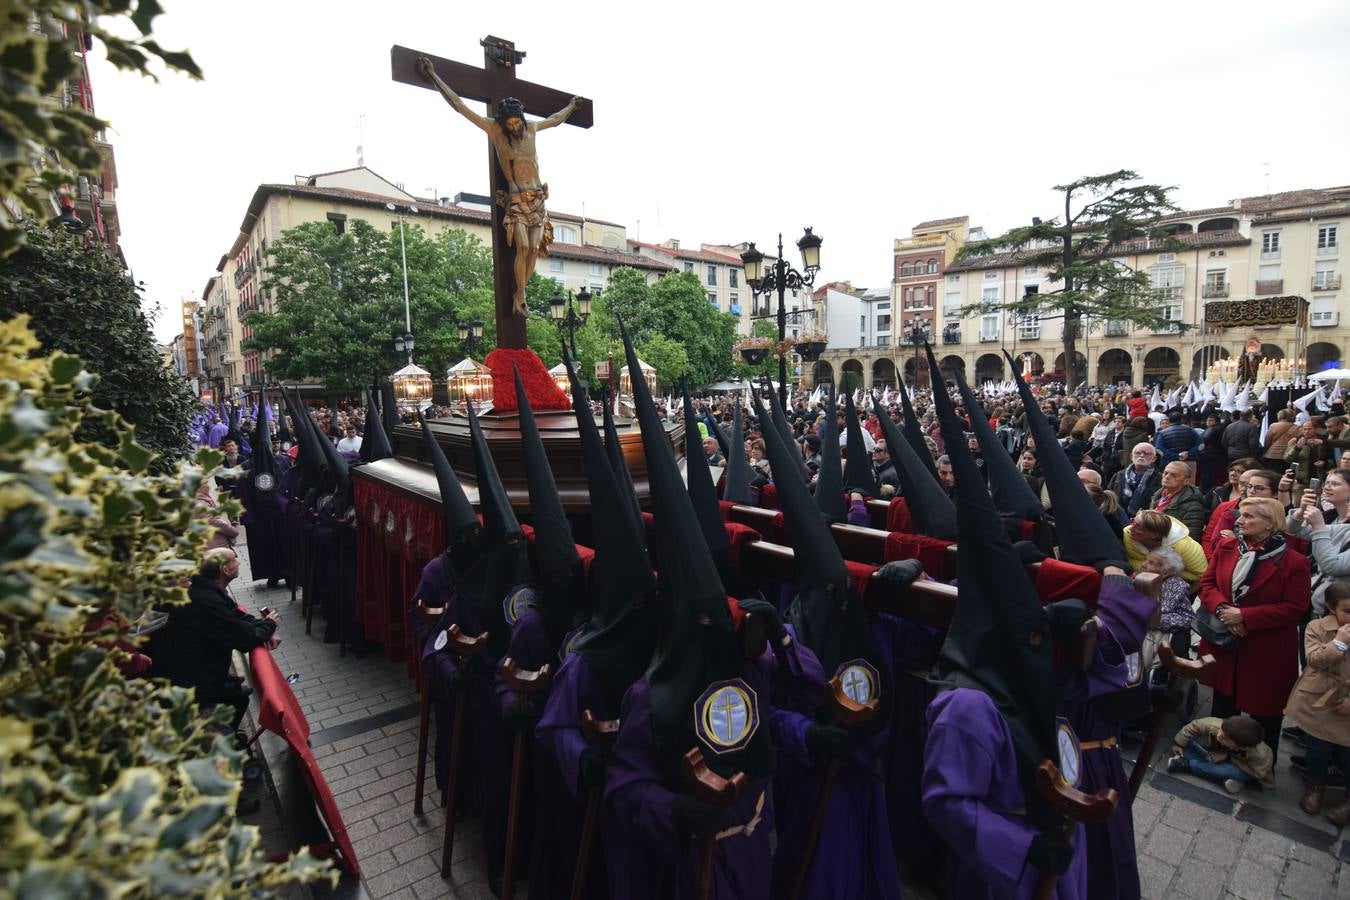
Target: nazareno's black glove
[592,767]
[828,743]
[773,622]
[693,816]
[900,573]
[520,716]
[1049,855]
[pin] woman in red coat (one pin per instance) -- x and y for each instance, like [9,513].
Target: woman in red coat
[1259,589]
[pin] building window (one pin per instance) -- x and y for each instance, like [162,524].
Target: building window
[991,275]
[1167,257]
[862,326]
[712,298]
[597,269]
[1323,312]
[989,327]
[566,234]
[953,278]
[883,323]
[555,264]
[733,277]
[883,340]
[906,270]
[1326,238]
[932,267]
[712,275]
[1030,270]
[1270,245]
[1167,281]
[1324,279]
[689,267]
[735,299]
[339,223]
[1029,326]
[951,305]
[989,295]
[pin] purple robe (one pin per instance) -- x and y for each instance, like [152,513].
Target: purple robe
[216,434]
[853,856]
[562,795]
[918,848]
[646,856]
[1123,613]
[973,797]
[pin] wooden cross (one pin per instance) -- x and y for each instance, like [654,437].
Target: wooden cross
[495,81]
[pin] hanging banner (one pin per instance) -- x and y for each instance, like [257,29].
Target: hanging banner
[1288,310]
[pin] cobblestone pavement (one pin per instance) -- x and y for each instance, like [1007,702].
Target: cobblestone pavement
[1195,841]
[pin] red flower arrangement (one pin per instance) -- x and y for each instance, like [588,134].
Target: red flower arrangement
[539,385]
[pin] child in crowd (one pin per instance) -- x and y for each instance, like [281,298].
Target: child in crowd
[1230,750]
[1320,701]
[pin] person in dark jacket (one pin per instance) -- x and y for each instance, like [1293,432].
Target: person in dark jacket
[1180,499]
[1135,485]
[1178,441]
[1242,438]
[193,649]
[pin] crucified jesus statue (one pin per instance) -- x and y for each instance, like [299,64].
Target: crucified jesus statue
[528,229]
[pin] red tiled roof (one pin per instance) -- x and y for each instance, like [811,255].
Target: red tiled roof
[1291,199]
[607,256]
[700,255]
[934,223]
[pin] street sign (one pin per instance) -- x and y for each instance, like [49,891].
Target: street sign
[602,370]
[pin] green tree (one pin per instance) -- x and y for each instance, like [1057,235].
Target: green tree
[82,301]
[675,307]
[110,786]
[338,302]
[666,356]
[45,142]
[1081,252]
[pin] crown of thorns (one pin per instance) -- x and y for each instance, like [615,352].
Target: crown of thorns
[510,108]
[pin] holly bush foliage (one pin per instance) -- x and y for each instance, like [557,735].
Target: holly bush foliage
[109,786]
[44,141]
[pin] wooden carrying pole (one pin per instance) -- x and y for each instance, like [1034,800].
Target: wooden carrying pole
[1187,669]
[848,712]
[1074,807]
[423,613]
[464,647]
[715,790]
[598,733]
[524,683]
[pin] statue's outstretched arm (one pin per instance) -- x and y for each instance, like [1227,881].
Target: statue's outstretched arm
[560,116]
[428,71]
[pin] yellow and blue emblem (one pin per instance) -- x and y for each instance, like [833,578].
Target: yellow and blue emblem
[726,716]
[859,680]
[518,600]
[1070,753]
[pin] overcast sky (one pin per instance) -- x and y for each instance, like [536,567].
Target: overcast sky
[723,122]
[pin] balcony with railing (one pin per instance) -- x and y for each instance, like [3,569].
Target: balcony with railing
[1117,328]
[1328,250]
[987,338]
[1326,281]
[1270,286]
[951,336]
[1214,291]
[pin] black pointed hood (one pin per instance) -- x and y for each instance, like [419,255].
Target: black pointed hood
[999,640]
[339,478]
[624,478]
[779,417]
[499,518]
[698,646]
[737,489]
[374,442]
[829,493]
[932,510]
[702,490]
[858,475]
[389,407]
[913,432]
[1012,495]
[1083,536]
[235,434]
[620,638]
[557,565]
[717,434]
[461,522]
[313,464]
[263,462]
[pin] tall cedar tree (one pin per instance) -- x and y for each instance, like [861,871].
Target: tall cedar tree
[1082,254]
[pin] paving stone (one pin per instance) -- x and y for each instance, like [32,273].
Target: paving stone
[401,876]
[1168,844]
[1184,816]
[387,784]
[1303,881]
[383,839]
[1267,845]
[1227,824]
[1145,813]
[371,761]
[342,757]
[351,782]
[1318,859]
[1254,879]
[1216,847]
[367,808]
[374,863]
[1200,880]
[1154,875]
[428,844]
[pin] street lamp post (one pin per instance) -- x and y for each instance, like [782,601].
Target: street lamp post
[569,315]
[469,335]
[403,249]
[778,279]
[916,334]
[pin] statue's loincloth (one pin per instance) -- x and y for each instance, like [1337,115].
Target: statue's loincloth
[526,208]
